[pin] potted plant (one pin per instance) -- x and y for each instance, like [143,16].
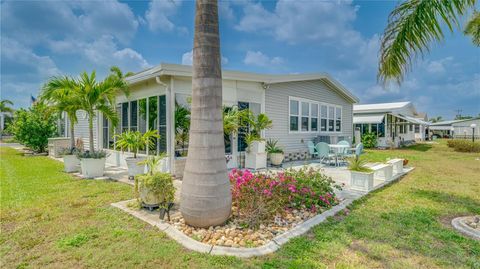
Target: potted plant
[94,96]
[231,125]
[92,163]
[70,159]
[255,156]
[155,189]
[276,153]
[135,141]
[361,176]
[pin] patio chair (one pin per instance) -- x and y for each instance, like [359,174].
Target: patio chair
[343,153]
[311,149]
[358,151]
[324,152]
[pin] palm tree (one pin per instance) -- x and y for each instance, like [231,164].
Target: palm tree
[117,72]
[436,119]
[412,27]
[4,106]
[473,28]
[205,195]
[96,96]
[60,92]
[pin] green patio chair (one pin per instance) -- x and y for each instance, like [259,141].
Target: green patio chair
[324,152]
[311,149]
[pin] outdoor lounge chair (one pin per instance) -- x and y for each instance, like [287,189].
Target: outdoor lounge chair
[324,152]
[311,149]
[343,153]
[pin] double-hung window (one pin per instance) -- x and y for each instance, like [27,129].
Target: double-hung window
[323,118]
[294,113]
[314,117]
[331,118]
[305,116]
[338,119]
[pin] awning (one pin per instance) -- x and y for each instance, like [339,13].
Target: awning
[410,119]
[368,118]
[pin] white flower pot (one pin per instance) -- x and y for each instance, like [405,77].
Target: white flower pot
[257,147]
[276,158]
[361,181]
[133,167]
[255,160]
[71,163]
[92,168]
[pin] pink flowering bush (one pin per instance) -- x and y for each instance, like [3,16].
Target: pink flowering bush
[259,197]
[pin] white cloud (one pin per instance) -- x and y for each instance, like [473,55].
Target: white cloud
[187,58]
[38,22]
[257,58]
[104,52]
[438,66]
[299,21]
[159,15]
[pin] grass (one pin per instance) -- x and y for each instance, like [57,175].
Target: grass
[51,219]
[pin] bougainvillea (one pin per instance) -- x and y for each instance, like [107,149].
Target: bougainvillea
[260,196]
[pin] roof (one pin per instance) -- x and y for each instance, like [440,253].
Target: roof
[368,118]
[380,107]
[165,69]
[446,122]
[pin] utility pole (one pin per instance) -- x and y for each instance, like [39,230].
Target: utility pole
[459,113]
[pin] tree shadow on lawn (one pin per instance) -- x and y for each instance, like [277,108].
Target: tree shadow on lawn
[418,147]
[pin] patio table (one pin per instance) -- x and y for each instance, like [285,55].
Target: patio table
[336,149]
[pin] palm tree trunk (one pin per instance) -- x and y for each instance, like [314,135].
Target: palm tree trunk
[72,134]
[90,132]
[205,195]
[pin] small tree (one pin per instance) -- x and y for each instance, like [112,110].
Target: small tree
[96,96]
[34,126]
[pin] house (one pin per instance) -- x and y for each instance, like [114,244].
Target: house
[442,129]
[394,124]
[302,107]
[466,128]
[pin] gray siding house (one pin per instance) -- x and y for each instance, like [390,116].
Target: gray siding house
[302,107]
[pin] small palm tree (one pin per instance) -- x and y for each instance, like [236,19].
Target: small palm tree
[473,28]
[59,92]
[96,96]
[413,26]
[5,106]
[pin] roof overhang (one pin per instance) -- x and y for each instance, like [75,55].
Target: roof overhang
[368,118]
[186,71]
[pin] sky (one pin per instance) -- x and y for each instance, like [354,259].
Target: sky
[44,39]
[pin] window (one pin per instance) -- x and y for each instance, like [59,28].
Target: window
[294,109]
[338,119]
[381,129]
[323,119]
[314,118]
[417,128]
[305,116]
[411,127]
[105,133]
[133,116]
[331,118]
[124,117]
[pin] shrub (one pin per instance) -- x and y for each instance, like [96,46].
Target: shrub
[259,197]
[314,189]
[463,145]
[369,140]
[159,183]
[272,147]
[33,126]
[99,154]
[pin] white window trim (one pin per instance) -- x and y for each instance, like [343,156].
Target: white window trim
[319,118]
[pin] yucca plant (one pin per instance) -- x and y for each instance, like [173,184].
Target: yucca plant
[358,165]
[135,141]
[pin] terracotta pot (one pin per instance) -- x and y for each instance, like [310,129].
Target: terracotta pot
[405,162]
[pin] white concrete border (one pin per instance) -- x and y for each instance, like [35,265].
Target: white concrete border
[268,248]
[459,224]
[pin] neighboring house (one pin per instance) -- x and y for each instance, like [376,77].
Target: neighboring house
[442,129]
[465,128]
[393,123]
[5,118]
[302,107]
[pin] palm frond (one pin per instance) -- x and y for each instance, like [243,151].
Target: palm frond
[473,28]
[412,27]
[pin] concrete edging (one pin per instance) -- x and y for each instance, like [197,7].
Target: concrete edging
[242,252]
[460,226]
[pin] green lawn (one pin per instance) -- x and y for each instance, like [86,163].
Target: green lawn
[51,219]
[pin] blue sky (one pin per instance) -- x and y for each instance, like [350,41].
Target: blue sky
[42,39]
